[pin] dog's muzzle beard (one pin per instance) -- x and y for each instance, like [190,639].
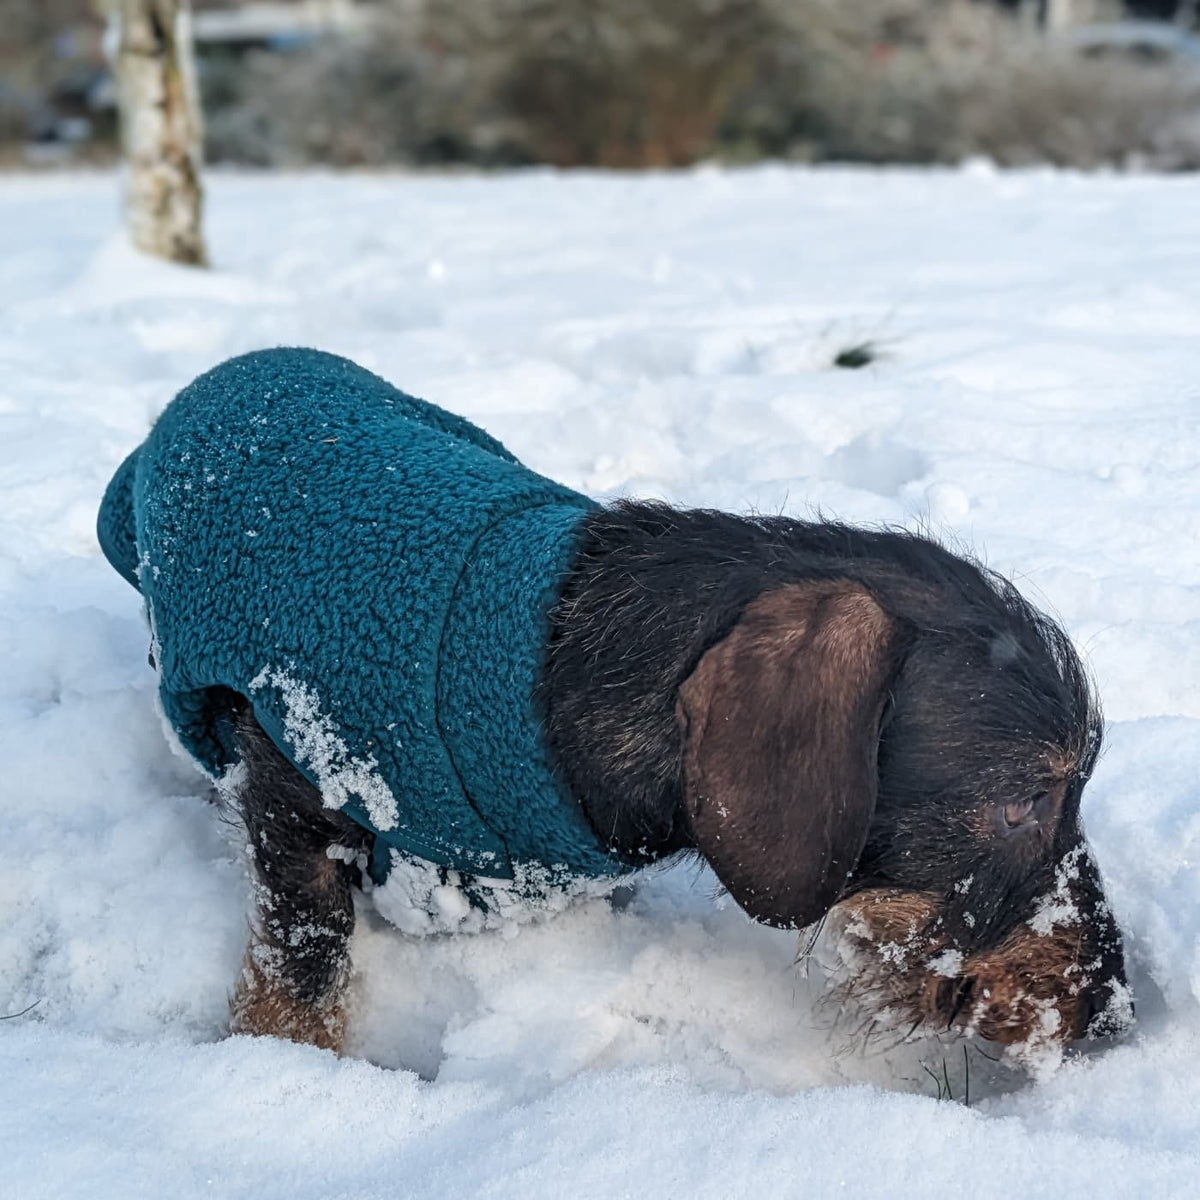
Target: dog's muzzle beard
[1050,979]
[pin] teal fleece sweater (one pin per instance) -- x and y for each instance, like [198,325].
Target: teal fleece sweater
[374,575]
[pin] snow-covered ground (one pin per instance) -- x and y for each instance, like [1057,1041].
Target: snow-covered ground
[1037,398]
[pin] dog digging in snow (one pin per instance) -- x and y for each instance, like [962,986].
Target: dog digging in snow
[422,669]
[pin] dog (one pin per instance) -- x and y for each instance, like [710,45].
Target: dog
[395,645]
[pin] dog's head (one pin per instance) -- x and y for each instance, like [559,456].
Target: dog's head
[911,746]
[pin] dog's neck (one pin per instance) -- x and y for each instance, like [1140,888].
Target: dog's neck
[650,590]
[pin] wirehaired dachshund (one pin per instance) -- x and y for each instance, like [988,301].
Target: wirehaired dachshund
[832,718]
[391,639]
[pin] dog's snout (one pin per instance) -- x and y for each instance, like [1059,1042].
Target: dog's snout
[1039,982]
[1108,1008]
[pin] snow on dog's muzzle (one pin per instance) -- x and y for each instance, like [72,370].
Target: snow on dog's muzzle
[1054,978]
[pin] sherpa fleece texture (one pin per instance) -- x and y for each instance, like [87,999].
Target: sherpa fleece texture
[374,574]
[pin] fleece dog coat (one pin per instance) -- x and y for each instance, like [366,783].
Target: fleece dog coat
[374,575]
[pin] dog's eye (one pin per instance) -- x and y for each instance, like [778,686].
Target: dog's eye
[1018,814]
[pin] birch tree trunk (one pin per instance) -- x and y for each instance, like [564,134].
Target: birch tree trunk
[162,129]
[1059,14]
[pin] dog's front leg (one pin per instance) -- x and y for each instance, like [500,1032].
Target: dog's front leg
[297,963]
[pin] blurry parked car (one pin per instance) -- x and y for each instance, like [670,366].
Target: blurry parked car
[1154,43]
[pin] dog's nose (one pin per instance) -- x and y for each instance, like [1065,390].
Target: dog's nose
[1097,1020]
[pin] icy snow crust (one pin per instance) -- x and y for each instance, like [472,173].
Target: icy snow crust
[1038,399]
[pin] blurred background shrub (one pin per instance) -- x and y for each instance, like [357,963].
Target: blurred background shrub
[638,83]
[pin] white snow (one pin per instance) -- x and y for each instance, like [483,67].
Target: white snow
[1038,399]
[423,899]
[316,744]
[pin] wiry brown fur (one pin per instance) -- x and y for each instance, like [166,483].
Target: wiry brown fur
[1034,988]
[264,1005]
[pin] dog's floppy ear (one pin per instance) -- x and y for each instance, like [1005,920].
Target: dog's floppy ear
[780,722]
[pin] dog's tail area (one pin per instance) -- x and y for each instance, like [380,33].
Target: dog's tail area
[115,524]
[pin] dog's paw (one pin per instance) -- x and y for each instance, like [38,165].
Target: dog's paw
[262,1007]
